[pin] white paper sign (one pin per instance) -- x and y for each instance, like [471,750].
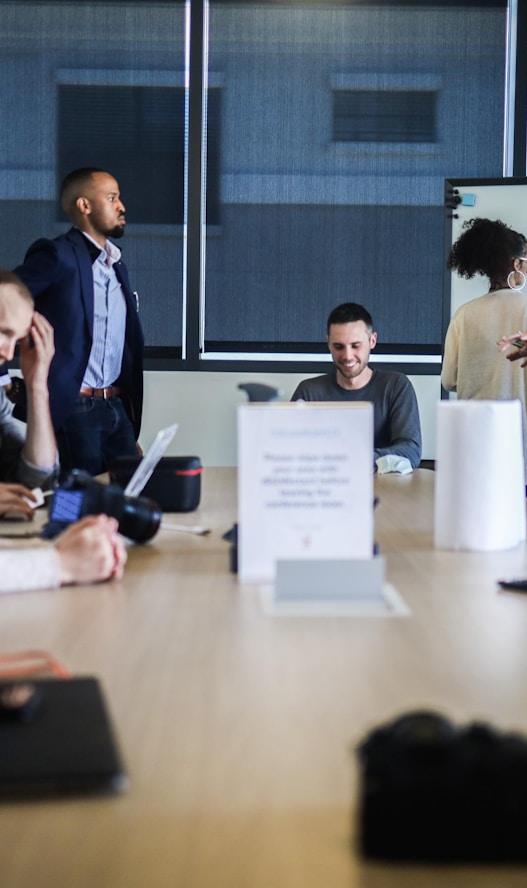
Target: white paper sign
[305,484]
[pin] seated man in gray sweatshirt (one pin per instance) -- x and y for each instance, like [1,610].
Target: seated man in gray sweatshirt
[396,425]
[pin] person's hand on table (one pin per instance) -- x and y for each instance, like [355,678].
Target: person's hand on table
[90,551]
[14,498]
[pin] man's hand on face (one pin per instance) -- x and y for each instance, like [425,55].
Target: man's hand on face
[36,352]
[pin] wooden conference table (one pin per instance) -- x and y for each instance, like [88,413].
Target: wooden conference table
[238,728]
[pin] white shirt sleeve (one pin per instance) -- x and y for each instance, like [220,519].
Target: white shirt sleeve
[22,570]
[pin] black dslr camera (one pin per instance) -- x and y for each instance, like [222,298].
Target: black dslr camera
[80,494]
[434,792]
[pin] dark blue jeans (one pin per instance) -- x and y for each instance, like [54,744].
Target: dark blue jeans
[96,433]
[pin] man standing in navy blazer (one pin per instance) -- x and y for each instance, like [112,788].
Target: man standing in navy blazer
[81,286]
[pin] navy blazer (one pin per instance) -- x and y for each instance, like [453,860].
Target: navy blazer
[59,275]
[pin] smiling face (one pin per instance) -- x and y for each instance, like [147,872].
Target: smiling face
[16,314]
[99,211]
[350,346]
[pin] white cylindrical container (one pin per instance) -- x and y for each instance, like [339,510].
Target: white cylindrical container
[480,476]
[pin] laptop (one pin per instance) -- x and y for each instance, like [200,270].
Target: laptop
[150,460]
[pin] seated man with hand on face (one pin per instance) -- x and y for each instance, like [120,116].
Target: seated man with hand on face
[28,458]
[396,425]
[89,550]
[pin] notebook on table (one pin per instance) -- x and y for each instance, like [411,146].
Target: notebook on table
[58,740]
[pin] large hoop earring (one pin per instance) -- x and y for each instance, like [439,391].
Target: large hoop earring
[520,288]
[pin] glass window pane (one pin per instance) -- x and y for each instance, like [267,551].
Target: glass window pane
[99,84]
[96,121]
[312,213]
[388,115]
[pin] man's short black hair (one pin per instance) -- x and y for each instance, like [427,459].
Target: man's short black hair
[350,313]
[74,183]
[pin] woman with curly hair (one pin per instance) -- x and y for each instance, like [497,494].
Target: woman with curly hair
[472,365]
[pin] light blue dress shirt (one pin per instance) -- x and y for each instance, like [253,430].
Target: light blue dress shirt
[109,320]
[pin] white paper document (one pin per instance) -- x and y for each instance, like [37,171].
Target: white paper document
[305,484]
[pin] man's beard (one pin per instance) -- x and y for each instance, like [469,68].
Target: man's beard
[116,232]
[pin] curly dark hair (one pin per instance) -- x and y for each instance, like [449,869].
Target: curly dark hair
[488,247]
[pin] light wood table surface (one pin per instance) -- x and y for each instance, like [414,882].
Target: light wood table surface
[238,729]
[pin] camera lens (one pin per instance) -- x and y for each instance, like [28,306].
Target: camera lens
[140,519]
